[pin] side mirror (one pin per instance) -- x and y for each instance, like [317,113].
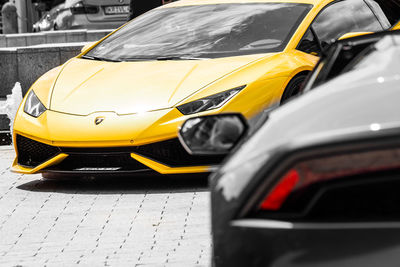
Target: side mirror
[87,46]
[353,34]
[213,134]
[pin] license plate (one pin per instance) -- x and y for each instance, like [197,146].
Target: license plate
[113,10]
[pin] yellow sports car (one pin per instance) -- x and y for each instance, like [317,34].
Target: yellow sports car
[117,107]
[397,26]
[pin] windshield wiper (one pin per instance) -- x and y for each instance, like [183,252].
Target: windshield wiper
[180,58]
[162,58]
[100,58]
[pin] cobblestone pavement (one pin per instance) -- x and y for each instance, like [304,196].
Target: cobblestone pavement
[135,221]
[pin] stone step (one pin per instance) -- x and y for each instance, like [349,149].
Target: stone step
[52,37]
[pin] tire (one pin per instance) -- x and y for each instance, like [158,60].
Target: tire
[294,87]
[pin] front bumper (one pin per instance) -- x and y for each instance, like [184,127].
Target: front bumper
[165,157]
[65,143]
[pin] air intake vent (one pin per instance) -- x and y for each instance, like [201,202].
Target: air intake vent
[99,162]
[32,153]
[171,153]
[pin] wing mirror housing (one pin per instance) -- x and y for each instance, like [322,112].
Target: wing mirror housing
[213,134]
[87,46]
[396,27]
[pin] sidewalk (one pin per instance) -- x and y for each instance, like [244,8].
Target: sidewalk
[109,222]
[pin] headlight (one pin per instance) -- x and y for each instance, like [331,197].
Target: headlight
[209,102]
[33,106]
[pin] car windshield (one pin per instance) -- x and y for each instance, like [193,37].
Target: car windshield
[206,31]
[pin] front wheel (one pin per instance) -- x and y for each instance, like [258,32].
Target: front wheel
[294,88]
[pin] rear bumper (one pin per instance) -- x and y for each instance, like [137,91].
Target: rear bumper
[96,26]
[274,243]
[82,22]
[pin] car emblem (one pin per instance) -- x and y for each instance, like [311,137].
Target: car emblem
[98,120]
[121,1]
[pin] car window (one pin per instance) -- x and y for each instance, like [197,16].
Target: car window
[334,64]
[379,13]
[343,17]
[391,9]
[69,3]
[309,44]
[208,31]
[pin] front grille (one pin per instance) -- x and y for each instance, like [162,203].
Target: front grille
[99,162]
[169,152]
[172,153]
[32,153]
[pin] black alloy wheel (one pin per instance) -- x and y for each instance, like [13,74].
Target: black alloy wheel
[294,88]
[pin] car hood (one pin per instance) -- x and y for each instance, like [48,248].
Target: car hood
[87,86]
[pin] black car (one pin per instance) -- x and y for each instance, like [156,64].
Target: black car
[339,55]
[318,184]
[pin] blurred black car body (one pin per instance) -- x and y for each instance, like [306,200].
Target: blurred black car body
[318,184]
[339,54]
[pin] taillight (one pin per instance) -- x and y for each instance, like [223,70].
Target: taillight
[309,172]
[81,8]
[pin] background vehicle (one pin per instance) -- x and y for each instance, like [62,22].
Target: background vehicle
[46,22]
[173,63]
[317,184]
[85,14]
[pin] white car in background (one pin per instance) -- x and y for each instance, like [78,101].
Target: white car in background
[85,14]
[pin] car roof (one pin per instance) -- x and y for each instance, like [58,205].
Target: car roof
[207,2]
